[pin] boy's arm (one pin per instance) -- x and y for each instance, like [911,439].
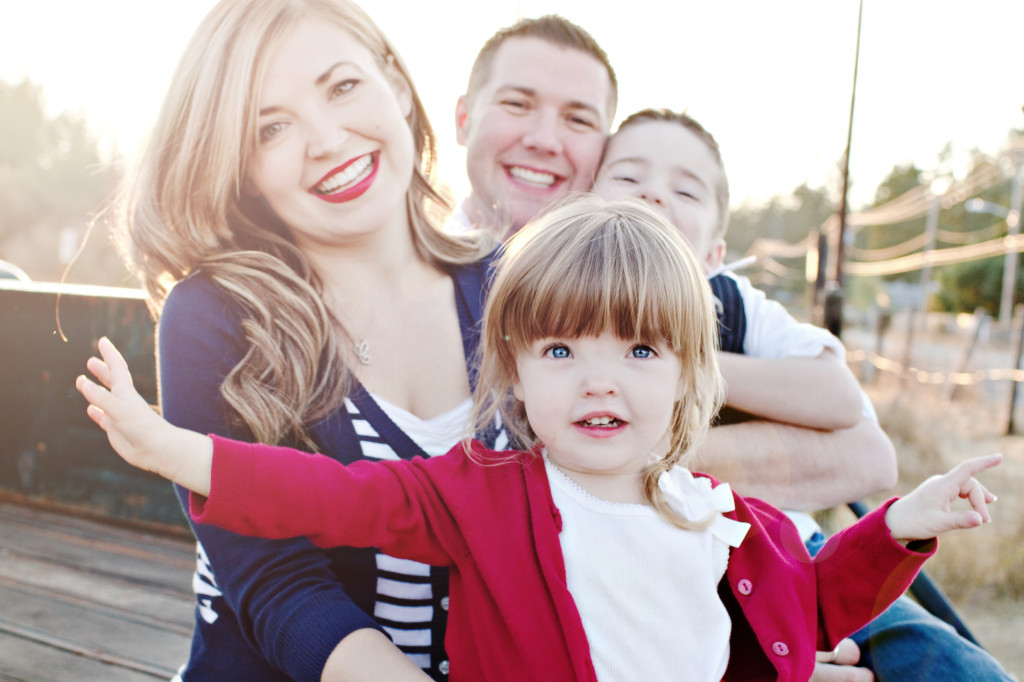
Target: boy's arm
[792,467]
[820,392]
[789,371]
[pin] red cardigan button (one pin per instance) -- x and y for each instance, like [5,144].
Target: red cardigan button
[745,587]
[780,648]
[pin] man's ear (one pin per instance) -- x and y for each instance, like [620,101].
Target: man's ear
[461,120]
[400,86]
[715,255]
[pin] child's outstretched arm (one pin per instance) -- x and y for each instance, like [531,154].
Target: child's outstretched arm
[143,438]
[927,511]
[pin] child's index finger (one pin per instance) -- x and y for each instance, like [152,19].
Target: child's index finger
[116,365]
[974,466]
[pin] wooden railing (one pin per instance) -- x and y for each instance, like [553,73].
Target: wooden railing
[50,452]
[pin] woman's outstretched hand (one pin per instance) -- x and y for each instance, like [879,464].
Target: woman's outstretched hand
[928,511]
[143,438]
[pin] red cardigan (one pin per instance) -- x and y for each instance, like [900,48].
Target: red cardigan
[496,527]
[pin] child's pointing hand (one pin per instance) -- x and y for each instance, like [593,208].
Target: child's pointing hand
[927,511]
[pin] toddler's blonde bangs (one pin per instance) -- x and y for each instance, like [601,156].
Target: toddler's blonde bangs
[578,272]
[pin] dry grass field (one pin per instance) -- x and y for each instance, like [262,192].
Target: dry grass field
[981,571]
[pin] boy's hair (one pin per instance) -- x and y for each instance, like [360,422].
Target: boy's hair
[688,122]
[590,266]
[553,29]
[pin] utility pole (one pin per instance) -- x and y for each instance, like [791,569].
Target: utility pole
[833,305]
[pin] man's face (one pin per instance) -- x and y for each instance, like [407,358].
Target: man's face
[533,132]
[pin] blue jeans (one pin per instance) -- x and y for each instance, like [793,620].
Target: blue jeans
[906,643]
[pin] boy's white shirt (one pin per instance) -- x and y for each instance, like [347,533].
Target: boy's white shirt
[773,333]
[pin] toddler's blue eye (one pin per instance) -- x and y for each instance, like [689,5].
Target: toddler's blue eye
[558,352]
[642,351]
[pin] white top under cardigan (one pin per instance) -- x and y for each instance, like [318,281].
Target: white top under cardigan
[641,583]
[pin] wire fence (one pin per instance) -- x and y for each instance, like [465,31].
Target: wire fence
[920,251]
[928,377]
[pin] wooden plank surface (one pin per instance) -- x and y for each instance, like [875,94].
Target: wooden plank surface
[83,600]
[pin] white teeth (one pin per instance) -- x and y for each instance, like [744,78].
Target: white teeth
[599,421]
[532,177]
[352,174]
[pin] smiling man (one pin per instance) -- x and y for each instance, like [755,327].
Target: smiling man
[540,101]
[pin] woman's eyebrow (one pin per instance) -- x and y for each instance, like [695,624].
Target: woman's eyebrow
[320,80]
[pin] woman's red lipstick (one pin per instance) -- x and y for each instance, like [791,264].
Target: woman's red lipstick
[367,166]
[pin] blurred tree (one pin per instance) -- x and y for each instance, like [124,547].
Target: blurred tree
[963,287]
[900,180]
[52,181]
[789,219]
[968,286]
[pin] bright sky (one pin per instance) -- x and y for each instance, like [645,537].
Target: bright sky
[770,79]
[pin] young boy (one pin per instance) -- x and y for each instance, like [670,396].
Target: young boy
[778,369]
[671,162]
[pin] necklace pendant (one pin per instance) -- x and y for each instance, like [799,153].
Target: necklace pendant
[362,350]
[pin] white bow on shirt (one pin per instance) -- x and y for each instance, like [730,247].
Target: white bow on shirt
[694,499]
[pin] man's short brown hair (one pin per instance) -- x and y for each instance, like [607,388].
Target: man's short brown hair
[553,29]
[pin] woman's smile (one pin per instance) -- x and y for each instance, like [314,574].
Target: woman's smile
[348,181]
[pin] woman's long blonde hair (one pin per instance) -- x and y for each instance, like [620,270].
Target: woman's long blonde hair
[587,267]
[185,209]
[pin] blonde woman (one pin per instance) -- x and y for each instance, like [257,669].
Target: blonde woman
[280,221]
